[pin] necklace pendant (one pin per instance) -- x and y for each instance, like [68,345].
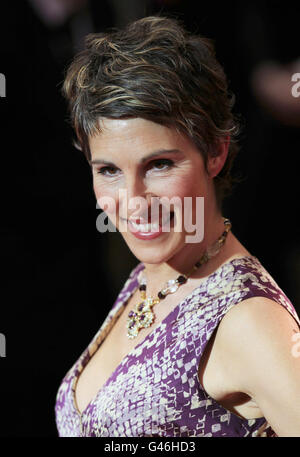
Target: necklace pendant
[140,317]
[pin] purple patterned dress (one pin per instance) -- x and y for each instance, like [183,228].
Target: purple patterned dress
[155,390]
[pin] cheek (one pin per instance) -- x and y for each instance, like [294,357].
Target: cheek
[186,186]
[106,197]
[102,188]
[97,190]
[184,191]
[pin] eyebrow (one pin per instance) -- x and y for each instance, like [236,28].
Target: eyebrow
[143,160]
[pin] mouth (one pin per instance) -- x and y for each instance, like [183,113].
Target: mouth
[149,227]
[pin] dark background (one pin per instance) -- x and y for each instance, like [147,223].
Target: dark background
[60,276]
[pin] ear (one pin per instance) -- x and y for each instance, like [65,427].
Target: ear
[218,157]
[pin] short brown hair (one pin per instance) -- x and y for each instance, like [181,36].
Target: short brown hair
[156,70]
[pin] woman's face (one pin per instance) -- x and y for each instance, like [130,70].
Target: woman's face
[130,164]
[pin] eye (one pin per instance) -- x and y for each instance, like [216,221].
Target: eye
[162,164]
[156,165]
[103,171]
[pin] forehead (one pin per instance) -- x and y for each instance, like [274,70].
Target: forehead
[119,137]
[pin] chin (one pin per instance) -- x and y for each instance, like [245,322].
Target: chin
[155,253]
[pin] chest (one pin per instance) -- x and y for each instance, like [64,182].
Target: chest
[111,352]
[117,346]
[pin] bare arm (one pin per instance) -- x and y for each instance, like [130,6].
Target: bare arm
[258,338]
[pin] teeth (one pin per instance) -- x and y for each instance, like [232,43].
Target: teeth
[145,227]
[153,227]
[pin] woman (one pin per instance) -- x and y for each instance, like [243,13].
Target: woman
[200,339]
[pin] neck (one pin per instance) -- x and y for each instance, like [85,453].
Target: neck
[182,262]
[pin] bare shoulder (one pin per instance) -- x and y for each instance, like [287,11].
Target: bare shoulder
[256,338]
[256,314]
[255,328]
[261,318]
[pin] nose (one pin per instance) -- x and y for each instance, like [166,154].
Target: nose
[135,187]
[135,199]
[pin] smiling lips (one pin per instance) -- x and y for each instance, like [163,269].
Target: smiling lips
[147,230]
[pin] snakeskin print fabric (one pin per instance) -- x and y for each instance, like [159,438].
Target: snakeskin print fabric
[155,390]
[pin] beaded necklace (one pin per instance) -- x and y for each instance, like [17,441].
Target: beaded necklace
[142,315]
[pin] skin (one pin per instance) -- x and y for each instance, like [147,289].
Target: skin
[257,338]
[251,352]
[125,143]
